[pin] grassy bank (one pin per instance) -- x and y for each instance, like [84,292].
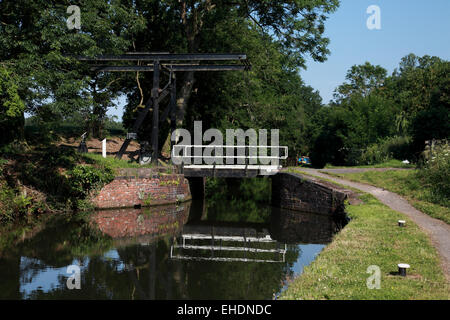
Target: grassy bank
[372,237]
[388,164]
[407,184]
[112,161]
[47,178]
[52,177]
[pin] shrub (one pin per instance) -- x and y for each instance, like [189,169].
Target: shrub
[6,203]
[375,154]
[85,178]
[387,149]
[436,173]
[14,205]
[11,107]
[14,147]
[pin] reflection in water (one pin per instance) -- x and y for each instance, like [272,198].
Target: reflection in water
[147,223]
[227,244]
[185,251]
[303,227]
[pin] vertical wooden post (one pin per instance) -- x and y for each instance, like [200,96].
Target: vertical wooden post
[104,148]
[173,105]
[155,96]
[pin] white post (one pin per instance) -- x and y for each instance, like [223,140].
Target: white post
[104,148]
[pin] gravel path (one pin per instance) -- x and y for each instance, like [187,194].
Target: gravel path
[438,231]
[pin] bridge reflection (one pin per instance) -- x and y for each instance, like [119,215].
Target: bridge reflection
[218,242]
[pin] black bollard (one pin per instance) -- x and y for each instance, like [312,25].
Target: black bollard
[402,267]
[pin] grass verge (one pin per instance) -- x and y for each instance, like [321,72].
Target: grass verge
[372,237]
[403,182]
[388,164]
[113,162]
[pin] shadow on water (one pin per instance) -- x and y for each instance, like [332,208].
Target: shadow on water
[227,248]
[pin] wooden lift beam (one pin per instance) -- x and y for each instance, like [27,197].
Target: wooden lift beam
[171,63]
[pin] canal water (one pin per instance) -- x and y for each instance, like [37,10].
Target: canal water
[234,245]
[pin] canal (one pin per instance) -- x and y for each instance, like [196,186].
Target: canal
[233,245]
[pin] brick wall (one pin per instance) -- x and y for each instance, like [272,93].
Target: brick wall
[151,222]
[144,187]
[302,193]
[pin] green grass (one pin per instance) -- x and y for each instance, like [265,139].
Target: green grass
[372,237]
[113,162]
[388,164]
[403,182]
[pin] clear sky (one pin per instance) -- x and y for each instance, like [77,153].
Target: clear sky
[407,26]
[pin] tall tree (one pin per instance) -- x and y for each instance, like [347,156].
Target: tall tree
[37,43]
[182,26]
[361,80]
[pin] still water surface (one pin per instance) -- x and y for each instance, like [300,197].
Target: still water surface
[224,248]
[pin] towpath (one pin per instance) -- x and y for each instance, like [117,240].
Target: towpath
[438,231]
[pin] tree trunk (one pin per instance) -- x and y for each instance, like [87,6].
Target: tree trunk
[185,94]
[96,125]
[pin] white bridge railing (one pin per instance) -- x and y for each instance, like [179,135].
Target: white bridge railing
[215,155]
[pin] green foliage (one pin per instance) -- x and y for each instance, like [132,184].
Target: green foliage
[7,206]
[348,128]
[13,203]
[112,162]
[11,107]
[247,199]
[37,44]
[430,123]
[148,200]
[387,149]
[22,203]
[14,147]
[393,163]
[372,110]
[362,80]
[376,153]
[85,178]
[436,173]
[421,87]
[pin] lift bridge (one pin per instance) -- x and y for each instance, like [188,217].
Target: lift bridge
[170,64]
[225,244]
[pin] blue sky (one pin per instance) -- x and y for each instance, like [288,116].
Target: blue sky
[407,26]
